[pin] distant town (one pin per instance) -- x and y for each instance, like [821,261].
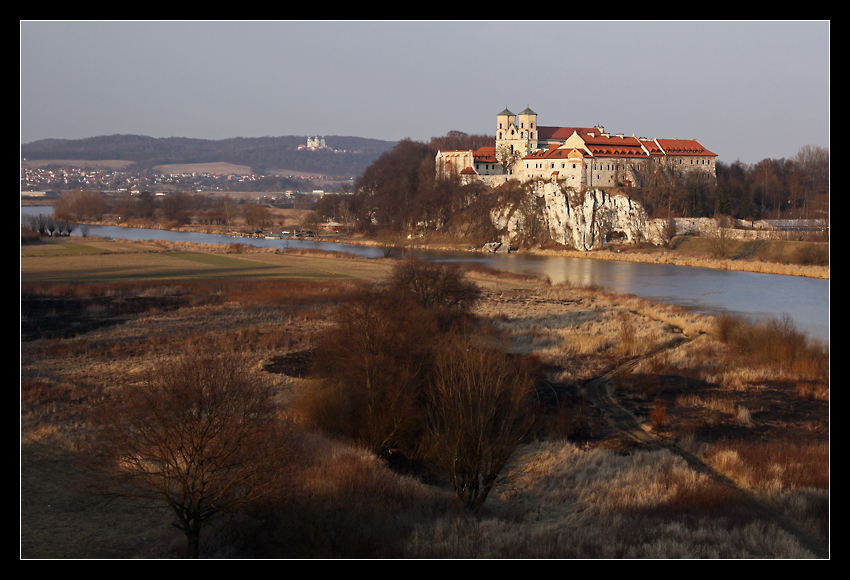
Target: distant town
[48,182]
[130,163]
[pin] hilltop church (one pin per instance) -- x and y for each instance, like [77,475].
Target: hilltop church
[577,156]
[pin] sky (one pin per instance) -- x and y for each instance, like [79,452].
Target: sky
[745,90]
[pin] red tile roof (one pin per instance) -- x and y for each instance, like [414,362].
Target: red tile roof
[563,133]
[485,155]
[683,147]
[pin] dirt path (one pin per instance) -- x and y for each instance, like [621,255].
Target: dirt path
[598,392]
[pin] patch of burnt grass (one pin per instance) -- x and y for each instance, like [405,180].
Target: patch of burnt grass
[66,317]
[295,364]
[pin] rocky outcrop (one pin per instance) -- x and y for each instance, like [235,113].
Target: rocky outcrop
[584,221]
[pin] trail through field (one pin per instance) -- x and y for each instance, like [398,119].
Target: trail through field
[599,394]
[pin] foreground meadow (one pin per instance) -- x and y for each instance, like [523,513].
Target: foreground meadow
[97,315]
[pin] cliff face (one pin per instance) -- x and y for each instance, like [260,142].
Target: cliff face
[582,221]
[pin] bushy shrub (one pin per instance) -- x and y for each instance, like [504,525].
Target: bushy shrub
[775,341]
[480,406]
[370,369]
[29,236]
[435,285]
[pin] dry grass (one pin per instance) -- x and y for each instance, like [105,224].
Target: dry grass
[808,262]
[776,342]
[762,424]
[561,501]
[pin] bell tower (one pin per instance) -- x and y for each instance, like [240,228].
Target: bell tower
[527,126]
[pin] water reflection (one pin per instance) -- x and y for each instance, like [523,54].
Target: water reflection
[806,300]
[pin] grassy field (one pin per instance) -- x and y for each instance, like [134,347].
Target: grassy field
[105,260]
[221,167]
[96,315]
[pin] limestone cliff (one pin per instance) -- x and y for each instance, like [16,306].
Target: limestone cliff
[584,221]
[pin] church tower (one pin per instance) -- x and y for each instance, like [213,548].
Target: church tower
[527,126]
[516,136]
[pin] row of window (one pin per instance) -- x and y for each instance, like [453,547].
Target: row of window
[543,166]
[525,135]
[521,125]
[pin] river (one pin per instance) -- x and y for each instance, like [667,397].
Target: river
[758,296]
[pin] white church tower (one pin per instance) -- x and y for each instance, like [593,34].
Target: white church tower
[516,136]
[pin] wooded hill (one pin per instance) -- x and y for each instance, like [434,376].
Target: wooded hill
[260,153]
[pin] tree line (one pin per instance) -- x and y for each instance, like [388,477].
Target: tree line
[400,193]
[84,205]
[795,188]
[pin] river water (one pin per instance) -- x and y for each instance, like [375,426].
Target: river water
[758,296]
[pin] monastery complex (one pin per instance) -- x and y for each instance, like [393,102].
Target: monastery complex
[575,156]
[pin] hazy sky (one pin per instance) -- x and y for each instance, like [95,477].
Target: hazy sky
[745,90]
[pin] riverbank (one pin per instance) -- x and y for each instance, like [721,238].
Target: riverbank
[743,261]
[622,253]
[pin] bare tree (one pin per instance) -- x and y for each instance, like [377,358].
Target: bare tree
[435,285]
[372,364]
[813,163]
[200,434]
[720,241]
[478,410]
[80,205]
[257,216]
[530,211]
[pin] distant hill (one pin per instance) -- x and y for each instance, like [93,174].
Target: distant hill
[259,153]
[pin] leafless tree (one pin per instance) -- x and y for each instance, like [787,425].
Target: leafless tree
[372,365]
[435,285]
[720,241]
[80,205]
[479,408]
[813,163]
[200,435]
[257,216]
[530,211]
